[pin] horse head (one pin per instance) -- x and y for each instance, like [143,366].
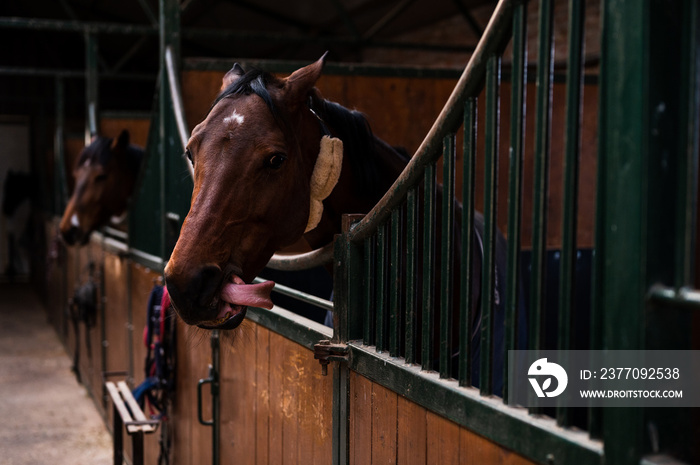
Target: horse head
[105,174]
[253,157]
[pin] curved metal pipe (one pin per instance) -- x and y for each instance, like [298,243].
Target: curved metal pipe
[178,107]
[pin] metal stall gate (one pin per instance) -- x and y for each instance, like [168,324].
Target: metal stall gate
[644,255]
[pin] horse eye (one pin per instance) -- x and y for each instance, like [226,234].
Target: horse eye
[189,155]
[100,177]
[276,160]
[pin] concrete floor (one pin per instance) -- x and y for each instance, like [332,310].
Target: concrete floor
[46,417]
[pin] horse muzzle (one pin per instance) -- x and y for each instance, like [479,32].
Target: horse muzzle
[74,235]
[210,300]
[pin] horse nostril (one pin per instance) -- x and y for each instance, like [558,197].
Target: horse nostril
[192,293]
[205,284]
[70,235]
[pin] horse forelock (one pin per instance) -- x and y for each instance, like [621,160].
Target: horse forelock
[255,82]
[97,152]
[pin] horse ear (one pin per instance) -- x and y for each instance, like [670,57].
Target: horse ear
[301,81]
[232,75]
[122,141]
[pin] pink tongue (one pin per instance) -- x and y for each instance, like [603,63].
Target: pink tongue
[252,295]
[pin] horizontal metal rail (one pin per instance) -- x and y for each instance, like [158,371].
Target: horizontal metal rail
[301,296]
[40,24]
[683,298]
[496,36]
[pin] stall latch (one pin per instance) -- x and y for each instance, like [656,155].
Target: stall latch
[325,353]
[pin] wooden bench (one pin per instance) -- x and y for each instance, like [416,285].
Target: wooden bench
[127,413]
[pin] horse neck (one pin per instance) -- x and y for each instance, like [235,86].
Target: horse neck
[352,195]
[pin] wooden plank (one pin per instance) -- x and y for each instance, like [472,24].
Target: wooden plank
[476,450]
[360,419]
[185,411]
[276,390]
[315,411]
[308,433]
[120,406]
[322,414]
[238,391]
[412,433]
[384,418]
[289,403]
[199,355]
[262,396]
[134,408]
[443,440]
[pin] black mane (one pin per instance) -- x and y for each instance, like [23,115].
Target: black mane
[353,129]
[99,151]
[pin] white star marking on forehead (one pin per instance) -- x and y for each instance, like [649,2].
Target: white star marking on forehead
[234,118]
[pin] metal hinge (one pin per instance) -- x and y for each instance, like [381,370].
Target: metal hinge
[325,353]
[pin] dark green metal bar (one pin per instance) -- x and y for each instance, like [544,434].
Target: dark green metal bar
[299,295]
[355,322]
[428,272]
[37,24]
[488,282]
[574,94]
[541,182]
[91,86]
[515,189]
[395,283]
[623,178]
[342,284]
[682,298]
[411,284]
[370,276]
[447,254]
[468,183]
[688,166]
[60,179]
[70,73]
[339,69]
[380,303]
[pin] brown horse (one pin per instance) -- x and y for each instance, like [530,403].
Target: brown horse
[256,159]
[253,156]
[105,174]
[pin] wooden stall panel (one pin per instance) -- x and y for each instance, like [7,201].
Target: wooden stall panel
[142,280]
[116,313]
[192,442]
[91,349]
[386,428]
[412,432]
[56,278]
[276,406]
